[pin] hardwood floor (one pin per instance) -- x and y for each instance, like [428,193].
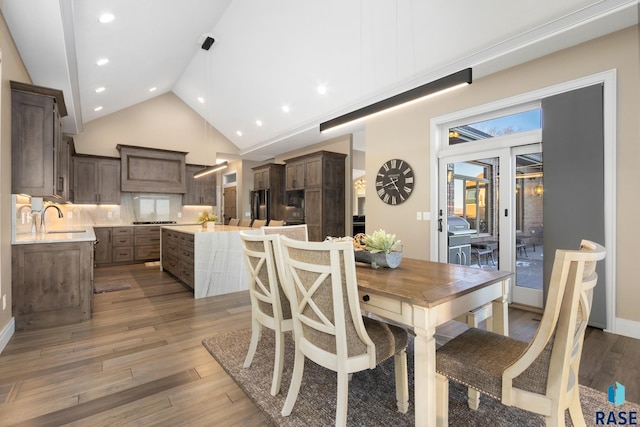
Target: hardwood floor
[139,360]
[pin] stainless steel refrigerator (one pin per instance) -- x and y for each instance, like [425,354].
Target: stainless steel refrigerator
[260,208]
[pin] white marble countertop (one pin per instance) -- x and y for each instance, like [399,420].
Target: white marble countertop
[196,229]
[67,235]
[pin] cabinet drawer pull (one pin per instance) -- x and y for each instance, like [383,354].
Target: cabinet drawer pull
[365,298]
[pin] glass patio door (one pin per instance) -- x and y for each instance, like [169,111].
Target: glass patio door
[497,196]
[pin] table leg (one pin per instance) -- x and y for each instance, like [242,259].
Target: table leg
[425,368]
[501,310]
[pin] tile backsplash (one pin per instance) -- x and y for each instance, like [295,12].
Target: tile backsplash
[133,207]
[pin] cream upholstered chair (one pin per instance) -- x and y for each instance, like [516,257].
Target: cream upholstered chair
[245,223]
[297,232]
[269,305]
[328,328]
[541,376]
[275,223]
[234,221]
[257,223]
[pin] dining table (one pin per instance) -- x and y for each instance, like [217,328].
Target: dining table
[422,295]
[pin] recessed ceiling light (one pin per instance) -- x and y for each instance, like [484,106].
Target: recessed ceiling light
[153,89]
[285,108]
[201,99]
[322,89]
[105,18]
[239,133]
[100,89]
[102,61]
[97,108]
[259,122]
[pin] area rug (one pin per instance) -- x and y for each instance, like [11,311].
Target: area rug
[371,392]
[110,286]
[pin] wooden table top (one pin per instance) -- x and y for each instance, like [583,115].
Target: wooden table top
[425,283]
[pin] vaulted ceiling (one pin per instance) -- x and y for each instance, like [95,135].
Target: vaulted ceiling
[270,54]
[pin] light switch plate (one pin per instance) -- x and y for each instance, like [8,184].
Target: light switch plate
[419,216]
[426,216]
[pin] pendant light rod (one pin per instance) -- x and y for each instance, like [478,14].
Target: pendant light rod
[460,78]
[211,169]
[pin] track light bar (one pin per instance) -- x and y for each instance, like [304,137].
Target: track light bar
[211,169]
[461,78]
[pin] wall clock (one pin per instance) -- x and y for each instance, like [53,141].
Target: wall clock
[394,182]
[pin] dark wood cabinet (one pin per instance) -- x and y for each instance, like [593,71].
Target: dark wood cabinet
[65,153]
[178,255]
[122,244]
[152,170]
[323,175]
[146,245]
[96,180]
[272,177]
[36,137]
[295,175]
[261,180]
[200,191]
[52,284]
[104,245]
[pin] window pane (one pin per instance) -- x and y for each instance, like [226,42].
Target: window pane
[506,125]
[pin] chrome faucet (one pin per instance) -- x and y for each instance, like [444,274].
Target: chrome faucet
[44,211]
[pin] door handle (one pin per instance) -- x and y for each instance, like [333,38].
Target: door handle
[440,225]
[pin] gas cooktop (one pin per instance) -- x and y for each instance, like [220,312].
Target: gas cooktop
[152,222]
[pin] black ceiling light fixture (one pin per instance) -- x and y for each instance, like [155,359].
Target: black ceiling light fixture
[208,42]
[458,79]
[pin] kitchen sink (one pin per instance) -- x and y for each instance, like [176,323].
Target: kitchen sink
[65,231]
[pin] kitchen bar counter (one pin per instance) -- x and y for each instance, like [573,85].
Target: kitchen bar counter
[208,260]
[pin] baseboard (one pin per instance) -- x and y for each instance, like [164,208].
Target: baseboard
[7,333]
[628,328]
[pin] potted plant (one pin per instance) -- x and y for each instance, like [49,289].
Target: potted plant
[379,249]
[207,218]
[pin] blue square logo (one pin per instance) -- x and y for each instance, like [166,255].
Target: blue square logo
[616,394]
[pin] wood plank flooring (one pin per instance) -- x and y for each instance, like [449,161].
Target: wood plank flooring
[139,360]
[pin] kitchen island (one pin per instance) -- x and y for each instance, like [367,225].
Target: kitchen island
[209,261]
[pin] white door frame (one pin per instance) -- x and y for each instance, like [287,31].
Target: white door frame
[439,146]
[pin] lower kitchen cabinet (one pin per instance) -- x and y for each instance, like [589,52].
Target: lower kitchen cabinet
[52,284]
[127,244]
[178,255]
[146,243]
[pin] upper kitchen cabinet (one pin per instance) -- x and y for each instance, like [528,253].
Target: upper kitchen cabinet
[152,170]
[200,191]
[36,140]
[96,180]
[322,177]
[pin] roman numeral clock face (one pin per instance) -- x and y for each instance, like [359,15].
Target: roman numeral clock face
[394,182]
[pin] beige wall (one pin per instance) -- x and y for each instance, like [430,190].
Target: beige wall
[163,122]
[404,134]
[12,69]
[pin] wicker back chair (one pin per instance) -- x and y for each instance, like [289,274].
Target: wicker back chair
[276,223]
[541,376]
[234,221]
[297,232]
[257,223]
[245,223]
[320,281]
[269,305]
